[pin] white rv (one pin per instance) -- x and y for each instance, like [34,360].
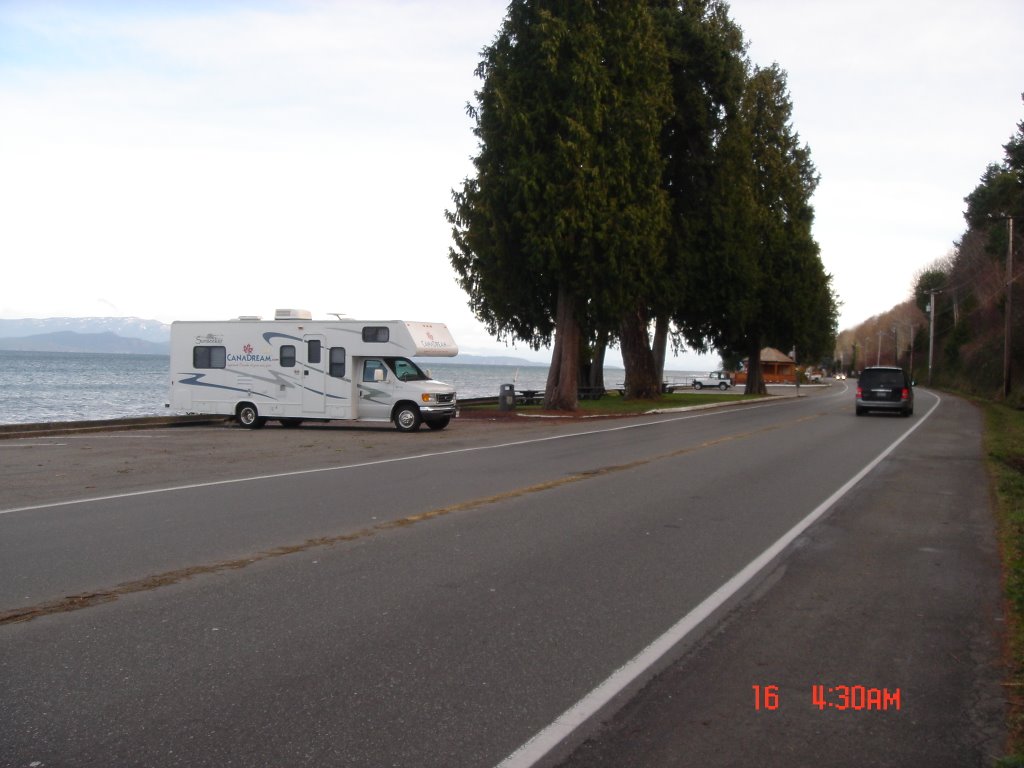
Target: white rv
[294,368]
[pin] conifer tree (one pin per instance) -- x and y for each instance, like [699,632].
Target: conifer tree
[759,279]
[565,214]
[707,175]
[793,305]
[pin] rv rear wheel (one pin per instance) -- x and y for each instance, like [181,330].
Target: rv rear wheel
[407,417]
[291,423]
[249,417]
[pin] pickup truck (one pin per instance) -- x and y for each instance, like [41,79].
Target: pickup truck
[718,379]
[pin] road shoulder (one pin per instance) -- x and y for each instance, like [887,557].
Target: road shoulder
[895,595]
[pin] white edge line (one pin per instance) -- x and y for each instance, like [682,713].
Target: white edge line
[378,462]
[544,741]
[31,445]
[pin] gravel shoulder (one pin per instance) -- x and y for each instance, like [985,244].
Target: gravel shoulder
[74,465]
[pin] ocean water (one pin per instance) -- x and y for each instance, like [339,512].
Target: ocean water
[66,386]
[57,386]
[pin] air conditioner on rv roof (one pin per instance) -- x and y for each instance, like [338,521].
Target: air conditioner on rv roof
[293,314]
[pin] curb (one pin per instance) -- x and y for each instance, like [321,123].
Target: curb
[49,428]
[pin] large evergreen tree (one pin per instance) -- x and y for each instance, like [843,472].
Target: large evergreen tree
[760,279]
[708,176]
[557,228]
[999,195]
[795,305]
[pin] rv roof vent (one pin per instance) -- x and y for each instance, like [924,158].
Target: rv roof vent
[249,317]
[293,314]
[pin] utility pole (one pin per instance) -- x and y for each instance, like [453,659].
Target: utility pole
[878,358]
[1009,308]
[913,333]
[931,331]
[796,373]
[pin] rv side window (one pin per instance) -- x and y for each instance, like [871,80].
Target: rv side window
[370,367]
[313,351]
[378,334]
[338,362]
[209,357]
[287,356]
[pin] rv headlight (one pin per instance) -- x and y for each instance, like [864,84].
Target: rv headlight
[426,397]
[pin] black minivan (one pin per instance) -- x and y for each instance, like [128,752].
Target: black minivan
[885,388]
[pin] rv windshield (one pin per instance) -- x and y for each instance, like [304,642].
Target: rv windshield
[405,369]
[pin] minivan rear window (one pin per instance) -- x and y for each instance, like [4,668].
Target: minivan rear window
[892,379]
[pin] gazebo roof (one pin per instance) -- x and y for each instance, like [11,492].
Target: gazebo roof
[772,355]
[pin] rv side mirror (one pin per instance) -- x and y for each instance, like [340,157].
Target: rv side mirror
[378,375]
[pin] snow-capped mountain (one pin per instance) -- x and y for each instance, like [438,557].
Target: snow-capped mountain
[127,327]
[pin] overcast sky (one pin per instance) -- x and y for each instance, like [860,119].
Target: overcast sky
[203,160]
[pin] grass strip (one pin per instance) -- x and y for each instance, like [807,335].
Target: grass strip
[1004,448]
[613,404]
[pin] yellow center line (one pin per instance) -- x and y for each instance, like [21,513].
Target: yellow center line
[168,578]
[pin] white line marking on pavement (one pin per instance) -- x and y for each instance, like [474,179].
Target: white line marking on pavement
[543,742]
[380,462]
[30,445]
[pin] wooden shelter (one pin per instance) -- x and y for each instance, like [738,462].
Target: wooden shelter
[776,368]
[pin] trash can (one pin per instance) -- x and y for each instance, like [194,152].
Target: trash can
[507,397]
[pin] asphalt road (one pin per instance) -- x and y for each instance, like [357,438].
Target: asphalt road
[355,597]
[889,609]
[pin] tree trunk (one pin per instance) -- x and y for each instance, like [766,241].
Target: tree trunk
[555,369]
[642,381]
[660,347]
[563,376]
[597,364]
[755,379]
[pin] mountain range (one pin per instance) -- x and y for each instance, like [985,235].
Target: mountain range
[128,327]
[110,335]
[132,335]
[72,341]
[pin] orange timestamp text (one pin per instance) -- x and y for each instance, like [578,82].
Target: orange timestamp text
[858,698]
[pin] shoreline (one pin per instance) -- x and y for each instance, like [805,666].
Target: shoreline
[49,428]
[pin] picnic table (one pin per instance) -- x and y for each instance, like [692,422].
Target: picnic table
[529,396]
[536,396]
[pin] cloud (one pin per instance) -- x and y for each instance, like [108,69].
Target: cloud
[196,159]
[300,149]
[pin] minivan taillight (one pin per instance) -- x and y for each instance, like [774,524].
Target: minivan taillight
[860,393]
[905,395]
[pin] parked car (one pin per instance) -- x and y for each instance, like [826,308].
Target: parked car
[719,379]
[885,388]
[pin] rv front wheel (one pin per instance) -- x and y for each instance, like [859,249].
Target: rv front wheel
[249,417]
[407,418]
[439,423]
